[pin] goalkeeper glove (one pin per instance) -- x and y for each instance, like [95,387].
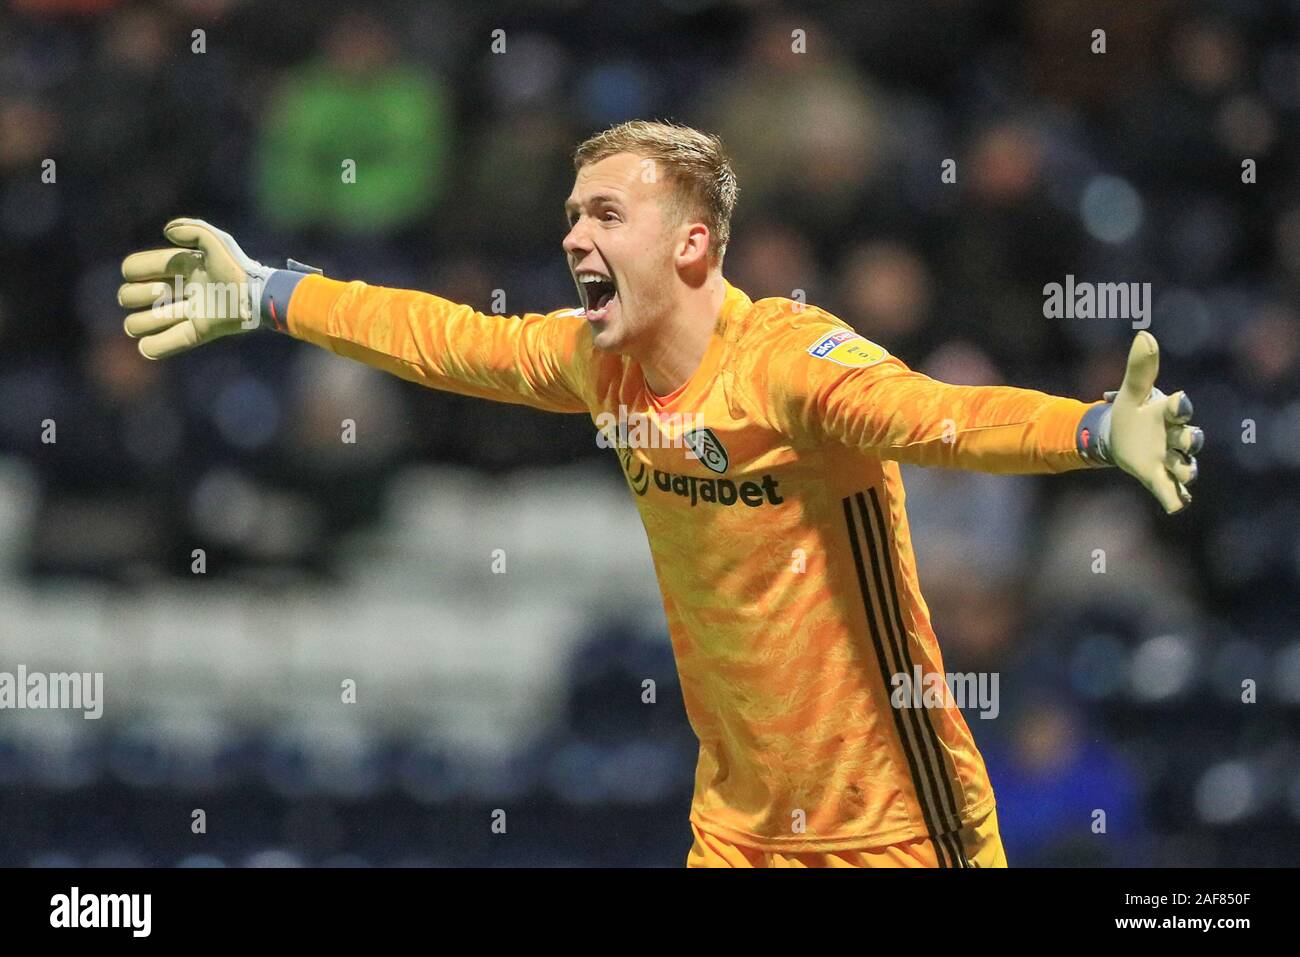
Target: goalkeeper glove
[202,288]
[1144,431]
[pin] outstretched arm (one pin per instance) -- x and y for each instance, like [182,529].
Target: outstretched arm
[526,359]
[833,385]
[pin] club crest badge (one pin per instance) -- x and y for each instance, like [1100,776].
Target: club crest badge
[708,449]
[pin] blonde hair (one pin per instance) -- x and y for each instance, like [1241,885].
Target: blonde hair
[704,183]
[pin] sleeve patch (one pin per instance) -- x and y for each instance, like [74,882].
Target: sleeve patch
[847,348]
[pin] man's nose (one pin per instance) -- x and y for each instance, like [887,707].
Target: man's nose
[575,243]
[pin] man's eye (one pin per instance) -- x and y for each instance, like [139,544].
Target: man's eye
[609,215]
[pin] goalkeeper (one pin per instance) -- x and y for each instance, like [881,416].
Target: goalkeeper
[772,499]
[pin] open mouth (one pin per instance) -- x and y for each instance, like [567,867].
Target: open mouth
[597,293]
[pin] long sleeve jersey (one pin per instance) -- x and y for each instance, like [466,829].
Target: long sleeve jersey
[774,508]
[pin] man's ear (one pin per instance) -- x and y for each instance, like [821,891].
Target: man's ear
[694,245]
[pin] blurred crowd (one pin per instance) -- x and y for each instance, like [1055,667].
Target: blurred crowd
[1122,688]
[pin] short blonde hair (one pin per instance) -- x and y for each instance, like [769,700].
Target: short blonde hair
[704,183]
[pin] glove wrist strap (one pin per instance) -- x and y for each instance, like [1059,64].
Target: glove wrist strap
[1092,437]
[277,292]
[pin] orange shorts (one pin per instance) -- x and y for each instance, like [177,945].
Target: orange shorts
[980,844]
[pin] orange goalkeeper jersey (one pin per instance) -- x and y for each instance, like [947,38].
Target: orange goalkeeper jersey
[770,492]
